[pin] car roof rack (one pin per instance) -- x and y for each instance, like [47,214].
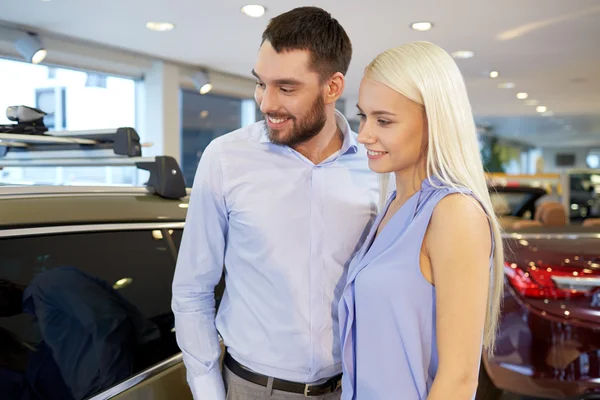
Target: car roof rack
[122,141]
[112,147]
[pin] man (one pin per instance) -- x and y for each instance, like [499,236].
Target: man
[283,204]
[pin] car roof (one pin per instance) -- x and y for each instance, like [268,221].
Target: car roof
[36,206]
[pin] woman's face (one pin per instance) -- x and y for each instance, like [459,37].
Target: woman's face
[393,128]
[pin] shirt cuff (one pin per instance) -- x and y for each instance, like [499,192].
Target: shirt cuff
[209,386]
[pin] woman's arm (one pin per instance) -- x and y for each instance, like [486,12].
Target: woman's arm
[458,245]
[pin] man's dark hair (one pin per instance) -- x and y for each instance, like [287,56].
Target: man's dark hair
[315,30]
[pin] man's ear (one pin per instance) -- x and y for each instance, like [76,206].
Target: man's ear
[335,87]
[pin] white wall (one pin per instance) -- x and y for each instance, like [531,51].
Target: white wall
[549,156]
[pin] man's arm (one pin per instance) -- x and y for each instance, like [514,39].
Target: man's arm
[199,269]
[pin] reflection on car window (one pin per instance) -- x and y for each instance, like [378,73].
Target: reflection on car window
[82,312]
[507,203]
[177,234]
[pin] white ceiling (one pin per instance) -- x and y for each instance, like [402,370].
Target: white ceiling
[553,52]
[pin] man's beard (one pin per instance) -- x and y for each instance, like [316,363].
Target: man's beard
[303,129]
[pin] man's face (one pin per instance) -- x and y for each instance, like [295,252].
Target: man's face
[289,94]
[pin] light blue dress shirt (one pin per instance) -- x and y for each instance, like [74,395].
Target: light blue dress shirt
[285,229]
[387,310]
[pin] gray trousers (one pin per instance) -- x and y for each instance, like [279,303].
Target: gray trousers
[240,389]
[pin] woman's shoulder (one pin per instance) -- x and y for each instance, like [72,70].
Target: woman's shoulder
[459,214]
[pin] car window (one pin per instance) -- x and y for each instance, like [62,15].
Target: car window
[81,312]
[507,203]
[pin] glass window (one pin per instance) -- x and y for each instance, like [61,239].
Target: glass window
[84,311]
[204,118]
[73,100]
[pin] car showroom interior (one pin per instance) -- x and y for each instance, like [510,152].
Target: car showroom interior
[162,238]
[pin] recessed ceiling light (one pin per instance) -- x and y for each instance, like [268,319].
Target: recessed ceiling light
[522,96]
[254,10]
[541,109]
[463,54]
[494,74]
[160,26]
[506,85]
[532,102]
[422,26]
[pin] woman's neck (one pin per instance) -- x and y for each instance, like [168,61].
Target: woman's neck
[409,181]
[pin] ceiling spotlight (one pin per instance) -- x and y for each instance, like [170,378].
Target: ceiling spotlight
[422,26]
[206,88]
[506,85]
[202,82]
[522,96]
[160,26]
[463,54]
[532,102]
[254,10]
[494,74]
[541,109]
[31,48]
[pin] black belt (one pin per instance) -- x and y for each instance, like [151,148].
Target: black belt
[330,386]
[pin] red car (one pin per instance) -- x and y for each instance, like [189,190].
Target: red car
[549,338]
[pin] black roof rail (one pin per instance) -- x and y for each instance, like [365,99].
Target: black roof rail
[122,141]
[24,150]
[166,178]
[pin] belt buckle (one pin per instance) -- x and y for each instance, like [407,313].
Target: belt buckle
[306,390]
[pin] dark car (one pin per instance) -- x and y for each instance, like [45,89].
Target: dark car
[85,279]
[549,336]
[584,198]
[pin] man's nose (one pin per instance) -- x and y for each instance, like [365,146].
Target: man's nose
[268,102]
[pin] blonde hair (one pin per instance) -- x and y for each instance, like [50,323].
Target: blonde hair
[427,75]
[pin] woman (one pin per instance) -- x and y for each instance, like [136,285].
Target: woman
[423,294]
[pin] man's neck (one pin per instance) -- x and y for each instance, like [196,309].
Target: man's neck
[323,145]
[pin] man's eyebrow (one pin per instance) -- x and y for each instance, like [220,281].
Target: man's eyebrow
[281,81]
[288,82]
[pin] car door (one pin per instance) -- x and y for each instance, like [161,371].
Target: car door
[96,320]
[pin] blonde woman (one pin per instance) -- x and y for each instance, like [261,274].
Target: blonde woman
[423,294]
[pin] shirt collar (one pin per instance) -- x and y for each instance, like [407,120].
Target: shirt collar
[349,145]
